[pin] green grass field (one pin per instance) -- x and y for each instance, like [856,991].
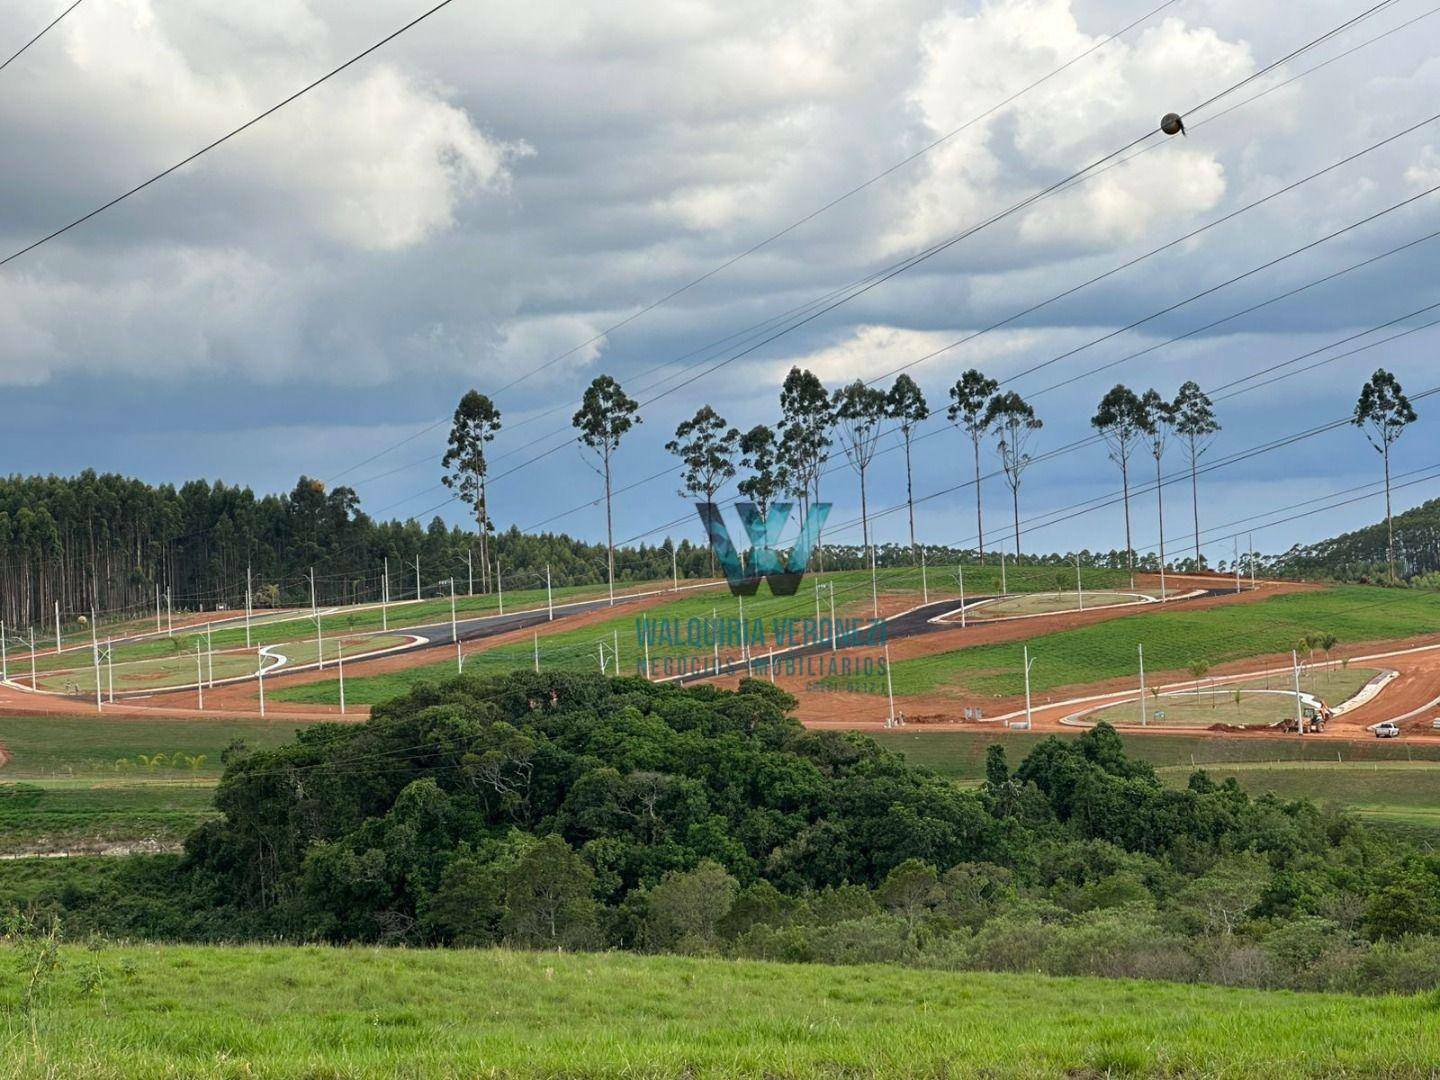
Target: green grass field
[577,650]
[291,627]
[1173,639]
[1043,603]
[318,1012]
[82,782]
[1255,702]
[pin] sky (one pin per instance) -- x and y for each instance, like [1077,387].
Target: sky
[504,189]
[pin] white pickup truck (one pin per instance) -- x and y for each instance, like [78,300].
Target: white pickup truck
[1386,730]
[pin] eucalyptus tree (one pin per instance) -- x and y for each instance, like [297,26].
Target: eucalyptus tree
[606,413]
[706,446]
[1014,423]
[1383,412]
[474,427]
[1121,423]
[1158,417]
[906,405]
[760,456]
[805,424]
[1196,424]
[970,398]
[859,411]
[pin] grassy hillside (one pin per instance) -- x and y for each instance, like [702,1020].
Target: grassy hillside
[320,1012]
[89,782]
[576,650]
[1173,639]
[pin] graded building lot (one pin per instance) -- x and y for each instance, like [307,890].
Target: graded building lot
[1045,603]
[1245,703]
[281,1012]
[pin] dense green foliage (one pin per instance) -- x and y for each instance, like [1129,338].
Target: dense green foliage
[308,1013]
[1360,555]
[578,811]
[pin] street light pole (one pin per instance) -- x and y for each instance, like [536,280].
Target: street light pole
[1029,717]
[1143,719]
[549,596]
[1079,585]
[455,632]
[249,605]
[260,674]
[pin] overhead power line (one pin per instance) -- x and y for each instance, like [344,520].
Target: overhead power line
[48,27]
[223,138]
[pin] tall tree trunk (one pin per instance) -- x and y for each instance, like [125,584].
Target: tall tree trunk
[1160,506]
[1195,501]
[910,497]
[1125,492]
[609,528]
[979,516]
[1015,498]
[1389,519]
[864,514]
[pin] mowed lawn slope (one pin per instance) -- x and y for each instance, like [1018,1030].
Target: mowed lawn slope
[1173,639]
[311,1012]
[578,650]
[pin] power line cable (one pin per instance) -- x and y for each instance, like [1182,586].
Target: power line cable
[48,27]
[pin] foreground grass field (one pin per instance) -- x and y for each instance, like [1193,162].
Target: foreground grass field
[92,783]
[578,650]
[1173,639]
[319,1012]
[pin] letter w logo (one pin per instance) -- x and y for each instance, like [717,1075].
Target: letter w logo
[764,561]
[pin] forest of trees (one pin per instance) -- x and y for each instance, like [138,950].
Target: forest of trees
[107,543]
[573,811]
[1361,555]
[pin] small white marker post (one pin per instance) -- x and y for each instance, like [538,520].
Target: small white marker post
[340,667]
[1143,721]
[960,573]
[744,654]
[1299,715]
[772,667]
[95,652]
[549,596]
[455,631]
[889,687]
[537,652]
[874,586]
[260,674]
[1079,586]
[1029,718]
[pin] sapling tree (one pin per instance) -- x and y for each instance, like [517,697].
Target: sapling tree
[1383,412]
[859,410]
[969,399]
[606,413]
[1014,424]
[706,447]
[1121,423]
[906,405]
[1195,423]
[476,422]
